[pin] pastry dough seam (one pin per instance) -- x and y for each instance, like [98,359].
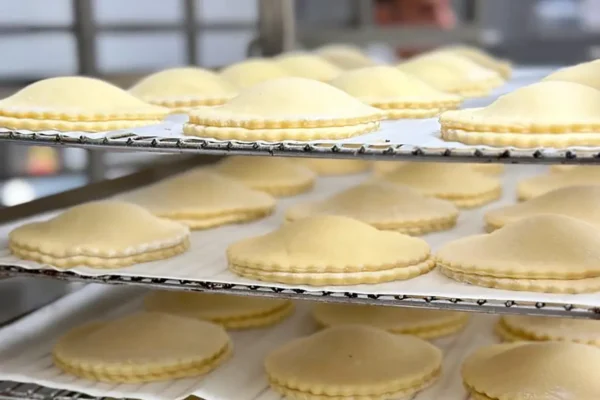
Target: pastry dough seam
[76,126]
[100,262]
[336,278]
[256,122]
[274,135]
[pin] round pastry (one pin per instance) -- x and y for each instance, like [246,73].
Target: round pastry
[353,362]
[528,328]
[143,347]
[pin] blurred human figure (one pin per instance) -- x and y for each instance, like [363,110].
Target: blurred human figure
[434,13]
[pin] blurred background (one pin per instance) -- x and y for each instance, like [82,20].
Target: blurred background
[123,40]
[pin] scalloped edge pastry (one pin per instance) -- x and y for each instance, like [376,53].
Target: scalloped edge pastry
[202,199]
[308,252]
[285,109]
[457,183]
[514,328]
[181,89]
[585,73]
[483,58]
[526,370]
[279,177]
[252,71]
[580,202]
[229,311]
[74,354]
[76,103]
[345,56]
[386,365]
[385,206]
[307,65]
[545,253]
[398,94]
[425,324]
[530,188]
[117,249]
[453,73]
[545,114]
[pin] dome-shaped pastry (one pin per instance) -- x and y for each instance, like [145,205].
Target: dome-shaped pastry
[250,72]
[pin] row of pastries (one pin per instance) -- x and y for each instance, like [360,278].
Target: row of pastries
[364,234]
[255,96]
[356,351]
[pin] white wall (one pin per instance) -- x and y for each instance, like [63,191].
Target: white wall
[43,54]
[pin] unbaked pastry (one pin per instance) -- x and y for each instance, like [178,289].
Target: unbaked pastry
[533,371]
[202,199]
[397,94]
[579,202]
[458,183]
[183,88]
[143,347]
[545,114]
[586,73]
[542,184]
[545,253]
[481,57]
[453,74]
[76,103]
[385,206]
[381,168]
[285,109]
[330,167]
[275,175]
[250,72]
[562,168]
[306,65]
[231,312]
[330,250]
[528,328]
[102,234]
[426,324]
[345,56]
[353,362]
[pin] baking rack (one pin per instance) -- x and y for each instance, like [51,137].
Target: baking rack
[201,150]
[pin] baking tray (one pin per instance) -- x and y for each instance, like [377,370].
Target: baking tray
[204,267]
[416,140]
[25,355]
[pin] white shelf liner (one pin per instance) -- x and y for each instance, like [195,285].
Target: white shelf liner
[25,352]
[206,261]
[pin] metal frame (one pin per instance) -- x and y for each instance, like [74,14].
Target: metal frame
[375,151]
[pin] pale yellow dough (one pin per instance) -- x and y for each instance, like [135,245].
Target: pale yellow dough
[183,88]
[542,184]
[306,65]
[529,328]
[274,175]
[76,103]
[453,74]
[345,56]
[353,362]
[398,94]
[481,57]
[250,72]
[546,114]
[232,312]
[586,73]
[385,206]
[544,253]
[426,324]
[330,250]
[102,234]
[143,347]
[562,168]
[380,168]
[580,202]
[533,371]
[458,183]
[329,167]
[202,199]
[285,109]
